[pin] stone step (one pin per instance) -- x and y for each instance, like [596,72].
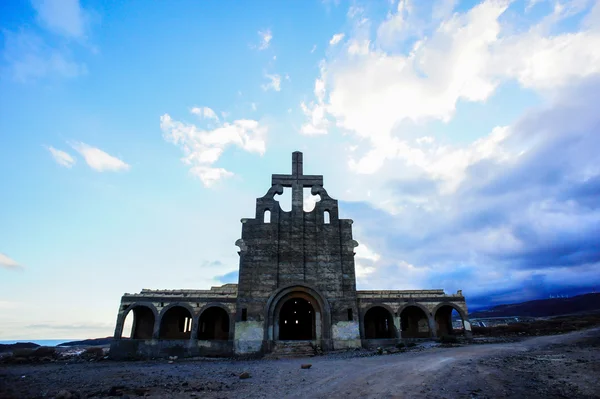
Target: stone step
[288,349]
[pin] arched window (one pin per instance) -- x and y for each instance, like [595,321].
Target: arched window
[448,321]
[379,323]
[214,324]
[176,323]
[139,323]
[326,217]
[414,323]
[267,216]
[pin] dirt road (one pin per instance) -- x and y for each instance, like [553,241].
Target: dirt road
[549,367]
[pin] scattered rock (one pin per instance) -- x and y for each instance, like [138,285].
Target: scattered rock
[141,391]
[44,351]
[244,375]
[93,353]
[305,366]
[64,394]
[116,390]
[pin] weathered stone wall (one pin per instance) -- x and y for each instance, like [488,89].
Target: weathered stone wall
[297,248]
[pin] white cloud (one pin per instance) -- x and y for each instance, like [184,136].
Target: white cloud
[266,36]
[204,112]
[540,62]
[274,84]
[314,47]
[444,163]
[370,91]
[363,252]
[65,17]
[61,157]
[98,159]
[29,58]
[316,111]
[359,47]
[202,148]
[336,39]
[8,263]
[9,305]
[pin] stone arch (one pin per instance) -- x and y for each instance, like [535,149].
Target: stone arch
[442,315]
[378,322]
[415,321]
[176,321]
[219,322]
[308,293]
[144,319]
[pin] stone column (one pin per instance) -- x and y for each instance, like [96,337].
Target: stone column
[432,326]
[156,330]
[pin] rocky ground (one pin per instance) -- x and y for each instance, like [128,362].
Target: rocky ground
[558,366]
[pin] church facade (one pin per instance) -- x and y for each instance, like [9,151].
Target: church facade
[296,292]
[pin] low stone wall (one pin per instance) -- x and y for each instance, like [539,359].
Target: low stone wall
[139,348]
[375,343]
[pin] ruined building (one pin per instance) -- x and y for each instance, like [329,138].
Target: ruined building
[296,289]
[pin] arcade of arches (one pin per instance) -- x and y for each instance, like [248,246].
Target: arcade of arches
[175,323]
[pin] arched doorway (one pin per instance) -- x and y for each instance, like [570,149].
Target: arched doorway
[176,323]
[139,323]
[321,332]
[448,321]
[379,323]
[297,320]
[214,324]
[414,323]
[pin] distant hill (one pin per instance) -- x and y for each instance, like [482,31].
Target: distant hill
[544,307]
[18,345]
[89,342]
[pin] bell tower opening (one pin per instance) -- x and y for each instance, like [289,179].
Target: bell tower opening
[297,320]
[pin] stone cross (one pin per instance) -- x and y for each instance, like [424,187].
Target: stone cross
[297,181]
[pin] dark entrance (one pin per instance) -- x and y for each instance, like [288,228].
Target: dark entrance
[214,324]
[379,324]
[297,320]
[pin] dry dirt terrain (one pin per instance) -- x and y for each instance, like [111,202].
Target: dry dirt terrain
[559,366]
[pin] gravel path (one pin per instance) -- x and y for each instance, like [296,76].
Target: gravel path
[551,367]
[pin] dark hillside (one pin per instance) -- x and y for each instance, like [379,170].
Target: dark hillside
[18,345]
[544,307]
[89,342]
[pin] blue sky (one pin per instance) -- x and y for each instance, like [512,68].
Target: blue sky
[461,137]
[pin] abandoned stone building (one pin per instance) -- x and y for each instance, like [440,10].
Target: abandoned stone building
[296,289]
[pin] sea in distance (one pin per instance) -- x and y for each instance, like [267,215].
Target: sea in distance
[41,342]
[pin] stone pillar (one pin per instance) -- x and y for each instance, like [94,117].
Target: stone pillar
[119,325]
[467,329]
[398,326]
[432,326]
[156,330]
[195,326]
